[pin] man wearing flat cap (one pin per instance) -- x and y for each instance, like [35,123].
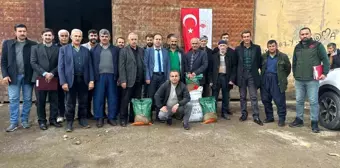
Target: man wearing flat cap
[223,74]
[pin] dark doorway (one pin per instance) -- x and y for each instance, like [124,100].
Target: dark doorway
[81,14]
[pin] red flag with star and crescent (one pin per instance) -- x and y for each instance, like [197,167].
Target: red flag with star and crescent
[190,25]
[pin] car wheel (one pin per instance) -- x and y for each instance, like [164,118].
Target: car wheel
[329,115]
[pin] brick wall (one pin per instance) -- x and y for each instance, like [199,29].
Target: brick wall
[163,16]
[28,12]
[142,17]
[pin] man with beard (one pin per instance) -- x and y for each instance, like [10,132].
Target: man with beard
[176,57]
[75,70]
[93,39]
[208,71]
[148,41]
[166,45]
[333,55]
[308,53]
[64,38]
[223,75]
[149,44]
[44,61]
[17,74]
[120,42]
[249,62]
[225,37]
[131,76]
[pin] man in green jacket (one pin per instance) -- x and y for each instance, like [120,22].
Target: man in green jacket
[307,54]
[275,69]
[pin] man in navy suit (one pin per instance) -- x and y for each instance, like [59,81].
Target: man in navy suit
[196,61]
[105,65]
[157,66]
[76,78]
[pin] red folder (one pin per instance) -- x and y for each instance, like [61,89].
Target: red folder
[317,71]
[41,84]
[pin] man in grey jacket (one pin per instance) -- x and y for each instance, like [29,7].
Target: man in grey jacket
[131,76]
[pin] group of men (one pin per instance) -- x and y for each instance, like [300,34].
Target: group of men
[118,73]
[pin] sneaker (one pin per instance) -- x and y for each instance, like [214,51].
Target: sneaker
[12,128]
[60,119]
[296,123]
[25,125]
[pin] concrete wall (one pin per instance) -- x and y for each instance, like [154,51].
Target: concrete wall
[282,19]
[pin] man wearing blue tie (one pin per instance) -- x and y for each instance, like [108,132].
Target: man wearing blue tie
[157,67]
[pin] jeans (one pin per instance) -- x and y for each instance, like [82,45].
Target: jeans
[311,88]
[14,100]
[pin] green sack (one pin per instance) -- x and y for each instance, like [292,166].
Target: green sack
[142,108]
[209,109]
[208,104]
[195,80]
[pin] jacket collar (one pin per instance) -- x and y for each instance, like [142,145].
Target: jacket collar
[242,43]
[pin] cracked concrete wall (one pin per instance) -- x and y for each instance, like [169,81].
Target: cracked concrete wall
[282,19]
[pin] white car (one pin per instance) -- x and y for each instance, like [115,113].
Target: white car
[329,100]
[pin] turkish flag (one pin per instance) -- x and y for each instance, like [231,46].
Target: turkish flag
[190,25]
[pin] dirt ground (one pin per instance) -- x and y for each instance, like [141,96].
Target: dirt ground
[220,145]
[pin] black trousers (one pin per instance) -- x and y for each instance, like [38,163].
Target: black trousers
[79,91]
[41,99]
[248,82]
[145,91]
[61,101]
[157,80]
[270,91]
[206,90]
[126,95]
[222,83]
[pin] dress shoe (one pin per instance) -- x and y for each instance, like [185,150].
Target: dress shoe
[186,126]
[281,123]
[100,122]
[83,123]
[258,121]
[112,122]
[169,121]
[268,120]
[243,117]
[56,124]
[69,126]
[315,127]
[296,123]
[123,123]
[225,116]
[43,126]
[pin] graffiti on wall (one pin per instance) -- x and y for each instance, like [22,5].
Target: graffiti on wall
[326,36]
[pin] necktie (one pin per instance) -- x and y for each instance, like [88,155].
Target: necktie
[159,61]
